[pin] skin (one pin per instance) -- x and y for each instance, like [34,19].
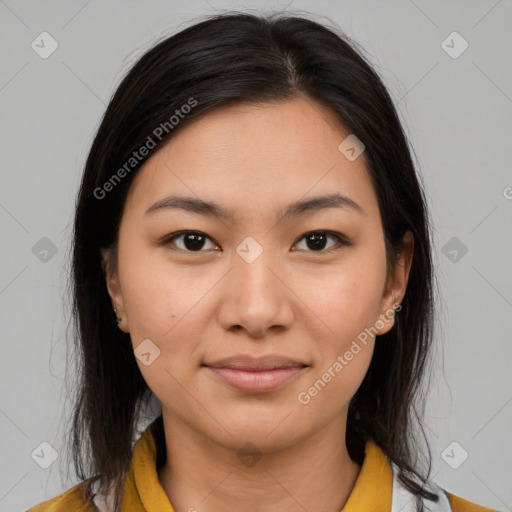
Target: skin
[293,300]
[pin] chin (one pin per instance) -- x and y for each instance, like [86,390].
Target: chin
[268,430]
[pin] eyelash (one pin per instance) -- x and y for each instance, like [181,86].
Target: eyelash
[339,239]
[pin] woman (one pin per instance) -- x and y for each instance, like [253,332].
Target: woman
[252,248]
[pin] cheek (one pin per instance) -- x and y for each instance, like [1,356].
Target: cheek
[348,305]
[159,296]
[168,310]
[348,302]
[347,299]
[334,384]
[167,304]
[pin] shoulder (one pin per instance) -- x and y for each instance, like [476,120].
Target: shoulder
[403,499]
[74,499]
[461,505]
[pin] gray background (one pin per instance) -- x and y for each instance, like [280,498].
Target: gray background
[456,111]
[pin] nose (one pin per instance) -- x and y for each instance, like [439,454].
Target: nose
[256,297]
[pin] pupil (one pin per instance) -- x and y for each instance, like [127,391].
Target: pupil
[193,237]
[314,240]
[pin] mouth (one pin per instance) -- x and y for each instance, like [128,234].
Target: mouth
[256,375]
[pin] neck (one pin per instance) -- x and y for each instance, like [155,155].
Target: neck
[201,475]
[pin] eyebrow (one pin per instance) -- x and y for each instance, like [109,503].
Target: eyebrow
[297,208]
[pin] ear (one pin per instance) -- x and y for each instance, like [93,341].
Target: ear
[396,284]
[114,288]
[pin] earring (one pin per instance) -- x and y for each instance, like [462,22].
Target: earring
[118,320]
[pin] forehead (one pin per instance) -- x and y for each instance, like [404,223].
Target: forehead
[244,156]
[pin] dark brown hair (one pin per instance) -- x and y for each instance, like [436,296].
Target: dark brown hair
[223,60]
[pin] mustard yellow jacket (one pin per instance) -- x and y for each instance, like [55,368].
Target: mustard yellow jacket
[377,488]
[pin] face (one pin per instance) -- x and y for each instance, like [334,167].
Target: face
[300,297]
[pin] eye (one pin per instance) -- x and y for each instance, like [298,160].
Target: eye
[193,241]
[317,240]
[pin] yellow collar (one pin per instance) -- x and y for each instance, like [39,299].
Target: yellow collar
[143,492]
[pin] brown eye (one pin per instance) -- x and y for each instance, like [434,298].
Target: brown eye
[191,241]
[196,241]
[316,241]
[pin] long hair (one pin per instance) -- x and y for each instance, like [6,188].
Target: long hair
[223,60]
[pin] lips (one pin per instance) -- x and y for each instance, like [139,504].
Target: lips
[249,363]
[255,374]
